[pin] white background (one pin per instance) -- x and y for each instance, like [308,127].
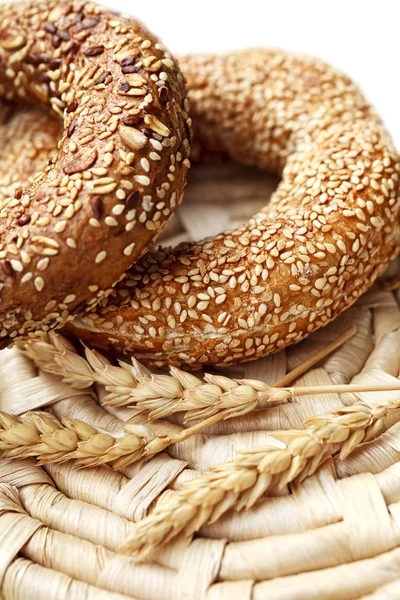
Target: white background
[360,37]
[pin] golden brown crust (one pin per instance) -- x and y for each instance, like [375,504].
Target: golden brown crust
[329,231]
[120,167]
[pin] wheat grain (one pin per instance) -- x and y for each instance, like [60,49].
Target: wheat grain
[241,482]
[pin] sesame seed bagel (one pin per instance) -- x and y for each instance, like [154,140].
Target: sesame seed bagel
[330,229]
[118,168]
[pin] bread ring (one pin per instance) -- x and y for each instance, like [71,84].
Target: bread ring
[328,232]
[120,167]
[239,296]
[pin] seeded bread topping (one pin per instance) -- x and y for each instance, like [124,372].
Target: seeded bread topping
[117,171]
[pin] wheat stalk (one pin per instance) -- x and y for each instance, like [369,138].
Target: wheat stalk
[41,436]
[163,395]
[241,482]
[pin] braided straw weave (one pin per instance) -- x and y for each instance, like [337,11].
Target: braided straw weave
[318,481]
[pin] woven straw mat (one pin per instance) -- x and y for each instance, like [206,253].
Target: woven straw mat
[336,535]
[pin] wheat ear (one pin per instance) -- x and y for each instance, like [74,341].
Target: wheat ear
[41,436]
[243,481]
[163,395]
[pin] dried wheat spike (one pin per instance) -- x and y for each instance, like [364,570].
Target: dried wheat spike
[242,482]
[41,436]
[163,395]
[160,395]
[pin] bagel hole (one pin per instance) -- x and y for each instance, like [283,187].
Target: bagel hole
[218,196]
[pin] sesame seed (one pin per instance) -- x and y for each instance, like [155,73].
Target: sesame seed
[121,194]
[202,305]
[118,209]
[43,264]
[320,283]
[39,283]
[101,257]
[71,243]
[129,249]
[17,265]
[111,222]
[144,163]
[60,226]
[156,145]
[142,180]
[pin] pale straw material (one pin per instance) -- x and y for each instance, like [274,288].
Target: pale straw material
[334,535]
